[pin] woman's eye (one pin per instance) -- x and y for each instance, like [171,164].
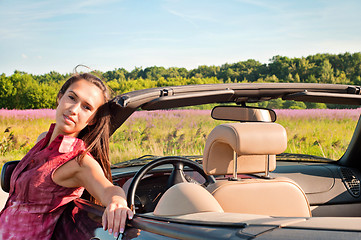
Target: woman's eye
[87,107]
[71,97]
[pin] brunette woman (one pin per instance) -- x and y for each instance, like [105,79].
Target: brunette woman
[72,156]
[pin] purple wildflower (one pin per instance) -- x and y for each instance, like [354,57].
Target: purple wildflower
[27,114]
[335,114]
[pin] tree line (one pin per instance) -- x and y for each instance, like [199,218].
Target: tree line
[22,90]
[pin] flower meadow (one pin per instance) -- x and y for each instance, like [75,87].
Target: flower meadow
[29,114]
[331,114]
[321,132]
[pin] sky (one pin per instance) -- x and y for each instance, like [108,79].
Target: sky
[40,36]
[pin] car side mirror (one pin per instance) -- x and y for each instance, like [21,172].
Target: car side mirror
[243,114]
[6,173]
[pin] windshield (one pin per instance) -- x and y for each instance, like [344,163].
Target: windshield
[324,133]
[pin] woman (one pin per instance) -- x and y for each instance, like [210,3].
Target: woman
[70,157]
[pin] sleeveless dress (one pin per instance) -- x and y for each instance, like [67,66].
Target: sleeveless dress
[35,202]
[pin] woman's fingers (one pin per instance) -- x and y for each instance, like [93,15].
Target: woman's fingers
[105,220]
[118,215]
[126,212]
[114,218]
[130,214]
[110,218]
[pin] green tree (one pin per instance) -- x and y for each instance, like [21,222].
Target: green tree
[289,78]
[275,103]
[7,91]
[316,105]
[294,105]
[280,67]
[304,68]
[136,73]
[154,73]
[311,79]
[326,71]
[120,74]
[272,78]
[22,82]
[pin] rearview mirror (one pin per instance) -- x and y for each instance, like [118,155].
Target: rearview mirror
[243,114]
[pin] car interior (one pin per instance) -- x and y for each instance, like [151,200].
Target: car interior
[246,153]
[253,188]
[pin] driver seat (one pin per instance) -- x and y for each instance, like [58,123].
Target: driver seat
[251,148]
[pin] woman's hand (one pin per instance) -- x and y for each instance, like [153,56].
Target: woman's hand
[115,216]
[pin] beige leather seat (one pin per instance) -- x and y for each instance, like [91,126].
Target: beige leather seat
[248,148]
[186,198]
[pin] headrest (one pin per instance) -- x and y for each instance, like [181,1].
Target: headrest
[253,143]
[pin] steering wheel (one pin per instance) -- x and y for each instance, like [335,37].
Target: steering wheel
[177,175]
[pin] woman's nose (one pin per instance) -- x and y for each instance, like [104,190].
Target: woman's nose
[74,108]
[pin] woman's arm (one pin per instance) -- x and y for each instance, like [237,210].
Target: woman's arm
[90,175]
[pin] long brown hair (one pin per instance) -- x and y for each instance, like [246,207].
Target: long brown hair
[95,136]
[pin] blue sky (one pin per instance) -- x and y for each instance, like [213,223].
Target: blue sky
[39,36]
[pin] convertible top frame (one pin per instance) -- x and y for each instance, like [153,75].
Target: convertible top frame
[125,104]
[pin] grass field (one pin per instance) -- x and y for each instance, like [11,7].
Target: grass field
[321,132]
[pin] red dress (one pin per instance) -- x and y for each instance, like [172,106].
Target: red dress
[35,202]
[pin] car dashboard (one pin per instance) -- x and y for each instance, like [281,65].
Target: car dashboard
[332,190]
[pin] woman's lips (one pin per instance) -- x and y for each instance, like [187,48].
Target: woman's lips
[68,119]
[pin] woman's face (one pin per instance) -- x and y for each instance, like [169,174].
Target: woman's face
[77,107]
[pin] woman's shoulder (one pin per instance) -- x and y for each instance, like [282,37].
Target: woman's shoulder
[41,136]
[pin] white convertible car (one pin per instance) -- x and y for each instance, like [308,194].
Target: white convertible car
[244,186]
